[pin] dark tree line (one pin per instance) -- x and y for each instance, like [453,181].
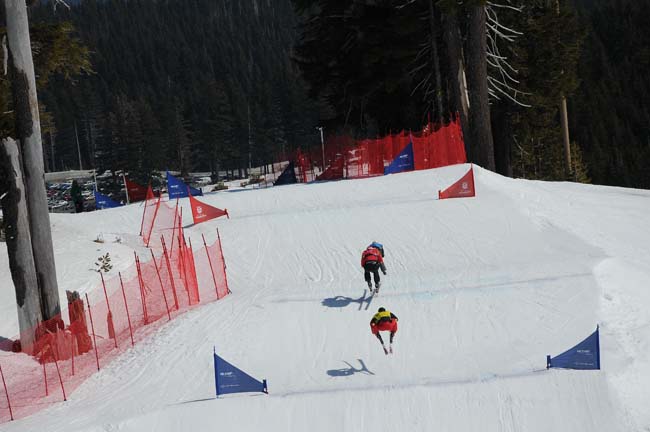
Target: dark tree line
[208,85]
[387,65]
[612,104]
[193,85]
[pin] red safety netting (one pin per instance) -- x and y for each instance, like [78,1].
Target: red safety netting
[304,167]
[335,171]
[151,205]
[434,146]
[211,272]
[61,353]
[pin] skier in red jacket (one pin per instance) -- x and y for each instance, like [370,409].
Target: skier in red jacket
[372,262]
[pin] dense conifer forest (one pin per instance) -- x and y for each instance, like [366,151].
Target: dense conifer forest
[203,85]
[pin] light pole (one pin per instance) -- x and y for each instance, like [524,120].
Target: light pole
[322,144]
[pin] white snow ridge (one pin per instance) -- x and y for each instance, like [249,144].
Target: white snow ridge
[484,289]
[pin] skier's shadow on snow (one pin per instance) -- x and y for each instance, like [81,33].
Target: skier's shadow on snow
[351,370]
[342,301]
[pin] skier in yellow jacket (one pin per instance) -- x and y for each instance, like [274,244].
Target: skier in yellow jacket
[384,320]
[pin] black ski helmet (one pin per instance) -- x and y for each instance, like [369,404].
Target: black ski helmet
[381,309]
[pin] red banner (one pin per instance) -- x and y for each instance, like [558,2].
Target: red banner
[463,188]
[202,212]
[135,191]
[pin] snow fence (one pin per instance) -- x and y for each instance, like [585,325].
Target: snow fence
[103,323]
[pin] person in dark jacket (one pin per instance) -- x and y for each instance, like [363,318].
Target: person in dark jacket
[372,261]
[77,198]
[384,320]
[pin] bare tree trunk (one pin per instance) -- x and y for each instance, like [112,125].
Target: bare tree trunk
[28,129]
[458,91]
[436,62]
[479,113]
[19,244]
[564,121]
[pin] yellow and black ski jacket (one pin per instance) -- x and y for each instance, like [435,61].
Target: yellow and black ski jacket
[381,317]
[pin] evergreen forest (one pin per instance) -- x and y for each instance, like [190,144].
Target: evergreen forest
[210,85]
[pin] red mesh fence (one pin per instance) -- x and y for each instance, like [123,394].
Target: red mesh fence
[151,205]
[433,147]
[164,225]
[304,167]
[60,354]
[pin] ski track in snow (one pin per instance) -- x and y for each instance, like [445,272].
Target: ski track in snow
[484,289]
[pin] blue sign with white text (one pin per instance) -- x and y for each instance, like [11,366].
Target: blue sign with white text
[403,162]
[230,379]
[176,188]
[103,202]
[585,355]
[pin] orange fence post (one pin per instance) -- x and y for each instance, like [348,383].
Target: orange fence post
[153,222]
[193,272]
[72,353]
[92,326]
[162,288]
[183,269]
[223,262]
[56,363]
[4,383]
[169,271]
[47,393]
[214,279]
[142,293]
[171,250]
[126,306]
[110,313]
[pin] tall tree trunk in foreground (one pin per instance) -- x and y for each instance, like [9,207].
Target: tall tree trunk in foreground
[19,244]
[479,108]
[28,129]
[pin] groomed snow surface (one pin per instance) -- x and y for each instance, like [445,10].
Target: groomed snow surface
[484,289]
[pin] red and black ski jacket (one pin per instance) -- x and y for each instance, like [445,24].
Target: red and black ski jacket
[371,255]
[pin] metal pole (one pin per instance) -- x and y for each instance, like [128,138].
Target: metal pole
[126,188]
[322,145]
[78,147]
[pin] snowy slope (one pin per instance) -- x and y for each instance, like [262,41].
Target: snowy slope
[484,289]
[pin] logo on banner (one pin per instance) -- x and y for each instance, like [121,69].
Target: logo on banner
[464,185]
[199,211]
